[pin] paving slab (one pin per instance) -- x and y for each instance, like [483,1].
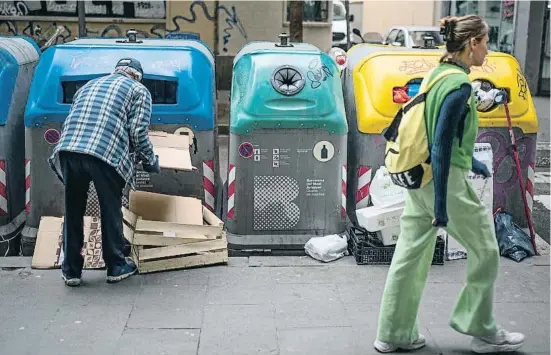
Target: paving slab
[244,295]
[317,341]
[243,329]
[76,329]
[309,305]
[159,342]
[169,307]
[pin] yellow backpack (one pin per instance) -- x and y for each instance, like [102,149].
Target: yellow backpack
[407,152]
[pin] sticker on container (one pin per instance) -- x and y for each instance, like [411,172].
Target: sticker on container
[246,150]
[184,131]
[323,151]
[51,136]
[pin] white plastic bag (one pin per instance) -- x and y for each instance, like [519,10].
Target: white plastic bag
[327,248]
[383,191]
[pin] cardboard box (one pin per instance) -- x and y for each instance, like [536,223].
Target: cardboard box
[171,232]
[375,218]
[173,150]
[484,189]
[165,232]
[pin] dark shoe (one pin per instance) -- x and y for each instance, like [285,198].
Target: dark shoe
[71,281]
[119,273]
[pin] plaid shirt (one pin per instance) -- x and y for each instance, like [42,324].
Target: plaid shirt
[109,118]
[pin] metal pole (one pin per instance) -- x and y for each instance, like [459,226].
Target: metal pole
[81,18]
[347,10]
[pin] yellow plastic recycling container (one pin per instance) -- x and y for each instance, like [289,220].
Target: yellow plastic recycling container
[379,79]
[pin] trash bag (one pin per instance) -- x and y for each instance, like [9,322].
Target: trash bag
[327,248]
[513,242]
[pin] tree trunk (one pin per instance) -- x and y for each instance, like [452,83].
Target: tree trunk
[295,21]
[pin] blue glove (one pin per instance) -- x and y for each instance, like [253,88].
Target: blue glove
[155,168]
[480,168]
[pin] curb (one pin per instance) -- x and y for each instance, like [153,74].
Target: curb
[542,154]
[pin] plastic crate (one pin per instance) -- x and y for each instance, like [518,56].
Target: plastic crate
[367,249]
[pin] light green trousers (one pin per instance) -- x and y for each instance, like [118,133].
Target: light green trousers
[470,224]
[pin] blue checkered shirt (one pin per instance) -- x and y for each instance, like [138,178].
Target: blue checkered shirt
[109,119]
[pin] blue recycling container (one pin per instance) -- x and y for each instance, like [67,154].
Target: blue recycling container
[180,76]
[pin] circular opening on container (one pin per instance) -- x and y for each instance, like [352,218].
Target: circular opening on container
[287,80]
[484,95]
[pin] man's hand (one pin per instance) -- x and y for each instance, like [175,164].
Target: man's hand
[155,168]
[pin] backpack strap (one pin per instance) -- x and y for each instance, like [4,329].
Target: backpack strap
[426,86]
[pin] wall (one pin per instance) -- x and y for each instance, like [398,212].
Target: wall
[109,19]
[357,9]
[238,23]
[379,16]
[259,21]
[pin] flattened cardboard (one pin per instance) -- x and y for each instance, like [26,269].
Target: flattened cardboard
[48,253]
[173,150]
[166,208]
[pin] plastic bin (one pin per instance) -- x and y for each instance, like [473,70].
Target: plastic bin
[180,76]
[18,59]
[373,82]
[287,148]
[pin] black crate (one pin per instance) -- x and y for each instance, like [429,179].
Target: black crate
[367,249]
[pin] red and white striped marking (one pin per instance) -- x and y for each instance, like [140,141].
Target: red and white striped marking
[364,182]
[3,189]
[208,183]
[231,191]
[343,190]
[530,186]
[28,185]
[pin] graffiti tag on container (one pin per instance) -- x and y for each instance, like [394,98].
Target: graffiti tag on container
[317,72]
[486,67]
[416,66]
[81,60]
[505,178]
[522,85]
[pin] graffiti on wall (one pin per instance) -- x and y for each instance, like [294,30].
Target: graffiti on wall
[42,31]
[227,16]
[108,9]
[505,176]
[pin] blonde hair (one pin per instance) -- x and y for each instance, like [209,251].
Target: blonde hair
[458,31]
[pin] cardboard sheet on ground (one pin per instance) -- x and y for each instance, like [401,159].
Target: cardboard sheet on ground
[160,219]
[172,149]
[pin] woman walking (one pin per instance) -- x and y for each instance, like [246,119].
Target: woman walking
[448,202]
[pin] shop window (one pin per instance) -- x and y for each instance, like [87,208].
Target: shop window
[313,11]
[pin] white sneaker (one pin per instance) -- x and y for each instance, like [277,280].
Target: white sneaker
[502,341]
[383,347]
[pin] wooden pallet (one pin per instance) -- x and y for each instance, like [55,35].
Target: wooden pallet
[162,246]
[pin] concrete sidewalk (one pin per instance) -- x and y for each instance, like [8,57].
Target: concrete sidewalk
[256,305]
